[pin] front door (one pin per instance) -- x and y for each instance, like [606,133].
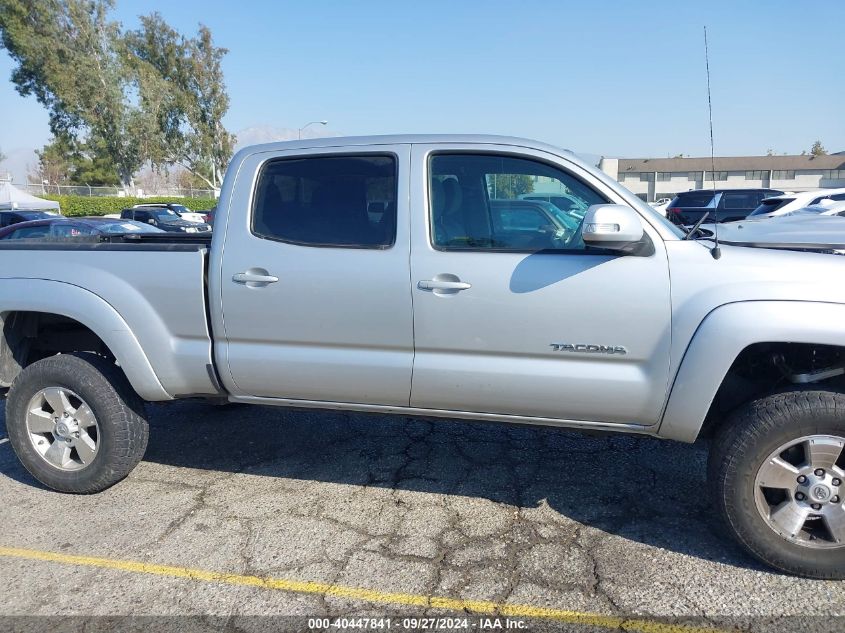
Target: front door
[513,315]
[316,303]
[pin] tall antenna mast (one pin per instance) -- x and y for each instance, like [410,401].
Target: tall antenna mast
[715,251]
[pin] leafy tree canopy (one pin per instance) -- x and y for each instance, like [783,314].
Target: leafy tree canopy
[146,96]
[818,149]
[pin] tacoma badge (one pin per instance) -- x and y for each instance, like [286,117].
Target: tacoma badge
[588,349]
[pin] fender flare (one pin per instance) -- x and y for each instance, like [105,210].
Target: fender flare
[92,311]
[720,338]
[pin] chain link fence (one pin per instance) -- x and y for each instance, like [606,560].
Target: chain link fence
[84,190]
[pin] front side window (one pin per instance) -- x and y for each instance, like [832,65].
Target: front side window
[503,203]
[342,201]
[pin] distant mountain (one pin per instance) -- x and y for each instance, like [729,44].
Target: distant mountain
[268,134]
[17,163]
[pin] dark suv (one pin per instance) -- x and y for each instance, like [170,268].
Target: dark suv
[7,218]
[724,205]
[164,218]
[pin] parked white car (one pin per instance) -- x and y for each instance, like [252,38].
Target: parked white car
[660,205]
[825,207]
[792,232]
[790,202]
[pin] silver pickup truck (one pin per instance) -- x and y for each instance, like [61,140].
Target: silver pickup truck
[474,277]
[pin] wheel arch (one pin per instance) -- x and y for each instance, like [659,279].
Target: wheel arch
[723,336]
[91,312]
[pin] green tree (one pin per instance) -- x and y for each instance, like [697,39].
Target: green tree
[818,149]
[191,131]
[123,99]
[71,57]
[64,161]
[509,186]
[55,161]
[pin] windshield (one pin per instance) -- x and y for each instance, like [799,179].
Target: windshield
[692,200]
[165,215]
[127,226]
[769,205]
[180,208]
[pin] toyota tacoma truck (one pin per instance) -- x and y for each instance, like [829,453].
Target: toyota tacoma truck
[392,275]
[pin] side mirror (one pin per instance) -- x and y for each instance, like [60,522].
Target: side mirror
[613,227]
[151,221]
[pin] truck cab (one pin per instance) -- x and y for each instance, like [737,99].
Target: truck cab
[441,276]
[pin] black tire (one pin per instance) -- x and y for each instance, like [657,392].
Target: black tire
[739,449]
[123,429]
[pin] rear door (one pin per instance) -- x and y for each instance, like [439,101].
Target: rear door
[315,277]
[514,321]
[737,205]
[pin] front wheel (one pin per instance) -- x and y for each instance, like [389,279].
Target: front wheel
[777,469]
[75,422]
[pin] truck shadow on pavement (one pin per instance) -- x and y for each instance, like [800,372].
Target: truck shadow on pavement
[645,490]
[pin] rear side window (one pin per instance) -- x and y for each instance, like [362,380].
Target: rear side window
[71,230]
[342,201]
[29,232]
[740,200]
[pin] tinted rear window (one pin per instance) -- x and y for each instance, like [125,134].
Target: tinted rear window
[767,206]
[328,201]
[692,200]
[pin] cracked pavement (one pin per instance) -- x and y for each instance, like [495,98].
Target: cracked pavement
[610,524]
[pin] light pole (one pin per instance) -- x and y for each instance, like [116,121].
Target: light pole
[299,132]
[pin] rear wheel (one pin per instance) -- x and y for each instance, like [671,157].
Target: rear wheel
[75,422]
[778,472]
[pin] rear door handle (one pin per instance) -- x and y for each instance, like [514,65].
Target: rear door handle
[436,284]
[254,278]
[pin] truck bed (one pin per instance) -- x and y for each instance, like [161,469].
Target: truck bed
[156,285]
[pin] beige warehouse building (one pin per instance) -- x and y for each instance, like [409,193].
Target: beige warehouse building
[655,178]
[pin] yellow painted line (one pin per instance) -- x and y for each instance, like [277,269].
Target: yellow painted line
[482,607]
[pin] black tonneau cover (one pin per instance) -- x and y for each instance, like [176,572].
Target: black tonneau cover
[134,242]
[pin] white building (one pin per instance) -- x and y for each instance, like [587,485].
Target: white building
[655,178]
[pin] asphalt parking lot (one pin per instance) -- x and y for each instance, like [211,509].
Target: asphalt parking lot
[303,513]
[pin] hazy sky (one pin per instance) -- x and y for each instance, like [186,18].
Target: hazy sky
[612,78]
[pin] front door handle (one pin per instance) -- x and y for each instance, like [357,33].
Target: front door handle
[437,284]
[443,285]
[254,279]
